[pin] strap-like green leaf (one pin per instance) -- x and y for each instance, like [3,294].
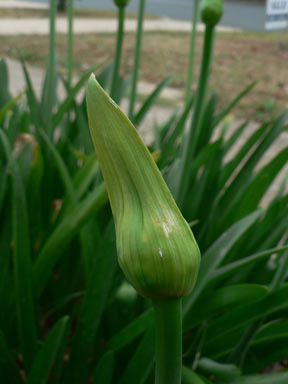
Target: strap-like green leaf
[140,115]
[104,369]
[215,255]
[142,361]
[223,299]
[190,377]
[131,331]
[47,354]
[272,378]
[235,319]
[64,107]
[8,366]
[221,371]
[22,261]
[90,314]
[233,104]
[64,233]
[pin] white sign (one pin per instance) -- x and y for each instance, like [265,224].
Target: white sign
[277,14]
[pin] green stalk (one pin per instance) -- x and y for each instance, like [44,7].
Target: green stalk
[51,62]
[192,51]
[168,341]
[190,145]
[118,51]
[137,54]
[70,42]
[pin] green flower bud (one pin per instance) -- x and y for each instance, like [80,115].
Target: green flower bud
[156,248]
[121,3]
[211,11]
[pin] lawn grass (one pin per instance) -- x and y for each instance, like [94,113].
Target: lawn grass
[240,58]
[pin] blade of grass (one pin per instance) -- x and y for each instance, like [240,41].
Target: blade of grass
[270,378]
[105,76]
[63,171]
[235,319]
[32,99]
[142,361]
[64,107]
[8,366]
[225,372]
[131,331]
[239,353]
[63,234]
[236,266]
[215,255]
[253,194]
[10,105]
[224,298]
[22,262]
[86,175]
[104,369]
[166,127]
[190,377]
[47,354]
[179,128]
[90,314]
[231,167]
[274,214]
[206,129]
[233,104]
[234,137]
[4,81]
[243,177]
[150,101]
[3,184]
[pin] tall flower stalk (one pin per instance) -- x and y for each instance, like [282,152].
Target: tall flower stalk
[168,315]
[156,247]
[192,51]
[51,64]
[121,4]
[137,54]
[211,13]
[70,42]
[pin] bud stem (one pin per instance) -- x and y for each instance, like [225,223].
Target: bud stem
[192,51]
[168,316]
[137,54]
[118,52]
[190,145]
[70,42]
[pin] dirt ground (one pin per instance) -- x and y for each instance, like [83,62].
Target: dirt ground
[239,59]
[39,13]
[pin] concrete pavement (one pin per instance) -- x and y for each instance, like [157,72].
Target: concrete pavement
[40,26]
[248,14]
[35,26]
[22,4]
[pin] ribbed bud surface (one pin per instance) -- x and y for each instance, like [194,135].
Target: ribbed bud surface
[156,248]
[211,11]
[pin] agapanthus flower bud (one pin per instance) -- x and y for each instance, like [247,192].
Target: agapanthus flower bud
[121,3]
[211,11]
[156,248]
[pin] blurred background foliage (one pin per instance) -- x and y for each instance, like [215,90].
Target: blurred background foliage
[67,313]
